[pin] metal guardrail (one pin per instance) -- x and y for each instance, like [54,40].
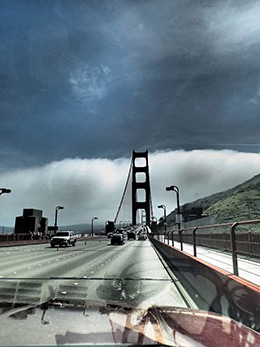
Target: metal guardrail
[247,243]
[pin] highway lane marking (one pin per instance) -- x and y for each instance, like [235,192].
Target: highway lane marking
[68,256]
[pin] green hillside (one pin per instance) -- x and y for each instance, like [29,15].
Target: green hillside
[239,203]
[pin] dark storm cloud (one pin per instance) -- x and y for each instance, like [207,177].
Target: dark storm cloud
[97,79]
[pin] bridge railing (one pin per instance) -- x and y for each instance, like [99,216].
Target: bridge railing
[220,236]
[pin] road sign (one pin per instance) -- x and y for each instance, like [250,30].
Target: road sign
[178,218]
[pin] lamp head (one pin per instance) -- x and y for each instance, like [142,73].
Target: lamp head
[5,190]
[169,188]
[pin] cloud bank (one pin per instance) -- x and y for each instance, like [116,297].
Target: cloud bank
[93,187]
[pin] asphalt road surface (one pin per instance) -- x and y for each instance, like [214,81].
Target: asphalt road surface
[130,274]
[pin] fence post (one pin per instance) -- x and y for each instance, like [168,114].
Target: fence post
[233,248]
[180,238]
[194,241]
[249,243]
[172,239]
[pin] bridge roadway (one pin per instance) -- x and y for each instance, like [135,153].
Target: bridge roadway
[131,273]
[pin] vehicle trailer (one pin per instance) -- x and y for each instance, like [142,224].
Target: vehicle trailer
[110,227]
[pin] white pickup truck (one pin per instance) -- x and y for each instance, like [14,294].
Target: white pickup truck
[64,238]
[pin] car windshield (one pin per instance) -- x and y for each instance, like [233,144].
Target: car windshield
[63,233]
[130,172]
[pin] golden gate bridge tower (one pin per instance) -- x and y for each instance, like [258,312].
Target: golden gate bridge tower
[137,192]
[141,184]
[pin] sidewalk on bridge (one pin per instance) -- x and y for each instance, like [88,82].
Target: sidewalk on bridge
[249,269]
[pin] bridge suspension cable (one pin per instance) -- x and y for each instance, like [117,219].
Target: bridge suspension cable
[124,192]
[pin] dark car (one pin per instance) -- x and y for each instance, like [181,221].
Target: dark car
[117,239]
[142,237]
[131,235]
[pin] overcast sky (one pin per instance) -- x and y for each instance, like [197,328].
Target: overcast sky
[83,83]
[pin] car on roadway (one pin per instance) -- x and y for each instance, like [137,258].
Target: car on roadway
[131,235]
[64,238]
[109,235]
[117,239]
[142,237]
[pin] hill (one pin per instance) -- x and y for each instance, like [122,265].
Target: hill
[82,228]
[239,203]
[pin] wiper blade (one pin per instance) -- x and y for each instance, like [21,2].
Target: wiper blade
[113,279]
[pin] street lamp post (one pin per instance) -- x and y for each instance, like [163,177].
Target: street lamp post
[165,224]
[57,208]
[177,191]
[92,222]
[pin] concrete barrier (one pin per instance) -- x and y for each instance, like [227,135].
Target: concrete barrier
[22,243]
[213,289]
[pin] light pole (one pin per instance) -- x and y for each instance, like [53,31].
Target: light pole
[57,208]
[177,191]
[92,222]
[4,191]
[165,224]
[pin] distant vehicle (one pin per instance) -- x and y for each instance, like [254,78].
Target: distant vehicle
[131,235]
[142,237]
[64,238]
[109,235]
[117,239]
